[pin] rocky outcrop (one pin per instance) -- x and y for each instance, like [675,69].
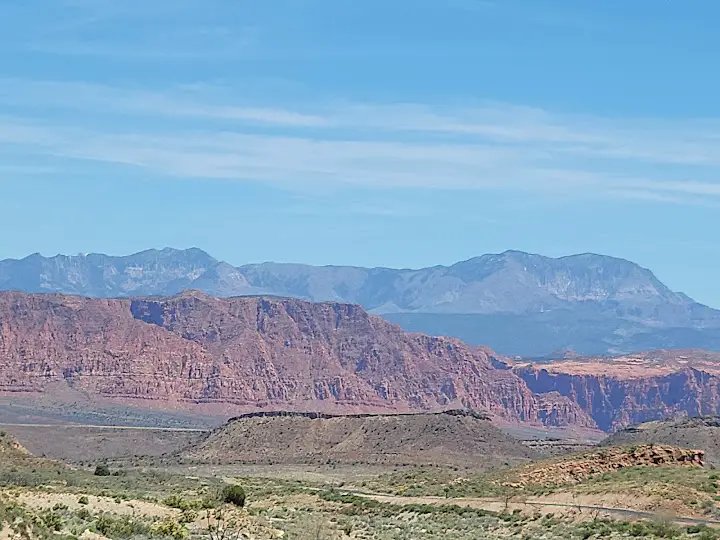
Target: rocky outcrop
[575,470]
[247,354]
[699,432]
[616,392]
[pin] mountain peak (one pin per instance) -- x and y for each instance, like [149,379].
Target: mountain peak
[555,300]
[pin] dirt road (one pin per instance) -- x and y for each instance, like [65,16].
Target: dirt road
[540,505]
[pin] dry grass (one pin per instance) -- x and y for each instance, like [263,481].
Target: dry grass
[43,499]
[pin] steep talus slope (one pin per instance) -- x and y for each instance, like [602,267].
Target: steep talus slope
[702,433]
[449,437]
[620,391]
[594,304]
[193,351]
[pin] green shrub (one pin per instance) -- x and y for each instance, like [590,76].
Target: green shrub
[188,516]
[170,528]
[102,470]
[51,520]
[120,527]
[175,501]
[234,495]
[703,532]
[83,500]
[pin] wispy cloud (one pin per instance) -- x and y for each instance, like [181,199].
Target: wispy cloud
[215,134]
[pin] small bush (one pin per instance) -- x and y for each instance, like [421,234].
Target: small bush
[102,470]
[175,501]
[170,528]
[120,527]
[188,516]
[83,500]
[234,495]
[52,520]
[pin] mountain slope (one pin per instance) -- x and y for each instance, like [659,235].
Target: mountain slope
[224,356]
[511,282]
[591,303]
[153,271]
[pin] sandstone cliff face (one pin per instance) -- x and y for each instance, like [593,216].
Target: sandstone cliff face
[248,353]
[231,356]
[617,392]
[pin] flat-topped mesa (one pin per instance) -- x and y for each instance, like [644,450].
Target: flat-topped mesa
[457,437]
[239,355]
[325,416]
[224,357]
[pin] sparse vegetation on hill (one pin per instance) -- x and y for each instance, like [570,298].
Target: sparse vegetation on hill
[43,500]
[577,468]
[418,438]
[702,433]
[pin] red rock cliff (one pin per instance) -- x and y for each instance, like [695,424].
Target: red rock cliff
[248,353]
[617,392]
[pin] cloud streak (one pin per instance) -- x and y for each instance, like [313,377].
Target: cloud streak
[206,132]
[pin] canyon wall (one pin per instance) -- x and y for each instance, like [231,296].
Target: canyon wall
[246,354]
[617,392]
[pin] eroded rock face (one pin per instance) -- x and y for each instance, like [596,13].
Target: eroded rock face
[617,392]
[246,354]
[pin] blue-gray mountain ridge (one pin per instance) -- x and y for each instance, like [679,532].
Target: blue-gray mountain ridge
[517,303]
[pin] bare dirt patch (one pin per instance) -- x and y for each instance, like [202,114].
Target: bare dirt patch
[43,500]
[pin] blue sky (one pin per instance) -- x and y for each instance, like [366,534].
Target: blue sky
[396,132]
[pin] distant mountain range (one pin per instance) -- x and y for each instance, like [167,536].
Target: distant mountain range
[517,303]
